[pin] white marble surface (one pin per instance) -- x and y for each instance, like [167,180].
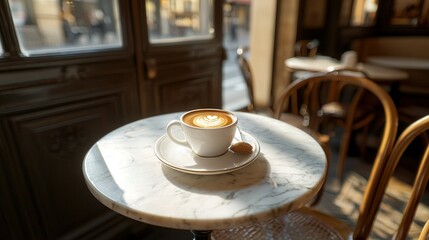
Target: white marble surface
[122,171]
[314,64]
[326,64]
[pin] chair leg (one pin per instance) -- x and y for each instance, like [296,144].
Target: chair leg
[363,146]
[344,147]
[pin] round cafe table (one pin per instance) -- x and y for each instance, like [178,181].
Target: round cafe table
[382,75]
[400,62]
[124,173]
[326,64]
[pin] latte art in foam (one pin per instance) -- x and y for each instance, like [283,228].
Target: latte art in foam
[208,119]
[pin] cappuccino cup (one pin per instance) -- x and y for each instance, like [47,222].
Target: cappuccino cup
[207,132]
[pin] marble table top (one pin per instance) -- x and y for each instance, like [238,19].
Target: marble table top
[122,171]
[327,64]
[400,62]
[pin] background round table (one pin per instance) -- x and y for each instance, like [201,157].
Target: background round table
[400,62]
[122,171]
[326,64]
[384,76]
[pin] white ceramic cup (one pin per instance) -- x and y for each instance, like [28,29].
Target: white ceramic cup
[349,59]
[208,132]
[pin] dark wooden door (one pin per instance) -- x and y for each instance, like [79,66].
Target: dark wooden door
[179,54]
[62,87]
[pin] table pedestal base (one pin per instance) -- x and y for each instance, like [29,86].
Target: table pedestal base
[201,234]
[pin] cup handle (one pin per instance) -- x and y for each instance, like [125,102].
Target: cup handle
[170,126]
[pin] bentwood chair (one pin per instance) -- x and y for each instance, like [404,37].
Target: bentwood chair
[309,223]
[246,71]
[351,109]
[411,133]
[424,235]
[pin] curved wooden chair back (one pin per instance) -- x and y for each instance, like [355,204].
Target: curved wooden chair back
[308,100]
[350,114]
[412,132]
[304,100]
[336,89]
[424,235]
[247,75]
[367,215]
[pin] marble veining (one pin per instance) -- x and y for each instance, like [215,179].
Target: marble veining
[123,172]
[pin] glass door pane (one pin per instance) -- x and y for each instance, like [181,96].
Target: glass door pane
[364,12]
[179,20]
[53,26]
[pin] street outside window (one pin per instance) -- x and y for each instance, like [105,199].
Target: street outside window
[58,26]
[179,20]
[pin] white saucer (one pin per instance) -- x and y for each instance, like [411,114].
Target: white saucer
[183,159]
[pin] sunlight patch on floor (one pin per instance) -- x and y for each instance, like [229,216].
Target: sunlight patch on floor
[345,205]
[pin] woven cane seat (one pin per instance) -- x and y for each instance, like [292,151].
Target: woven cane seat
[295,225]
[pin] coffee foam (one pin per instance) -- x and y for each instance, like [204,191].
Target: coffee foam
[208,119]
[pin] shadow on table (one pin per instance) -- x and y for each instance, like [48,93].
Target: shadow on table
[252,174]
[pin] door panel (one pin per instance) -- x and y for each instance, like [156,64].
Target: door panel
[47,125]
[55,140]
[169,72]
[186,94]
[57,98]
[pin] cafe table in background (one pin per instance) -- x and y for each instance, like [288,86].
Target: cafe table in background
[326,64]
[384,76]
[135,171]
[412,63]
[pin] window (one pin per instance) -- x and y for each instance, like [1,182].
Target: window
[175,20]
[364,12]
[359,12]
[56,26]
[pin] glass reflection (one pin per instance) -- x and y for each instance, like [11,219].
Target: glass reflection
[364,12]
[53,26]
[406,12]
[179,20]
